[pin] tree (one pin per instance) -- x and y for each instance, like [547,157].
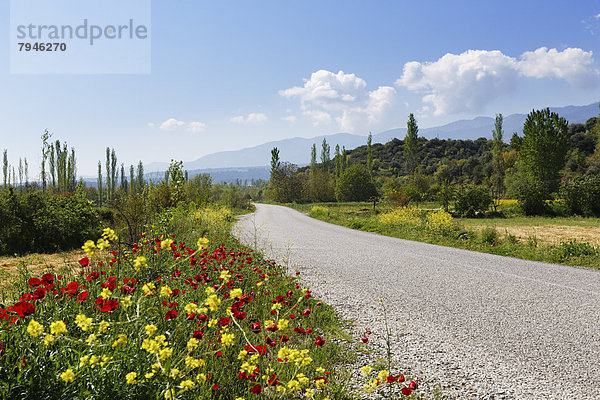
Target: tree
[339,163]
[108,180]
[545,145]
[45,150]
[5,168]
[275,163]
[286,184]
[313,159]
[498,168]
[411,145]
[370,153]
[141,183]
[99,183]
[325,156]
[355,184]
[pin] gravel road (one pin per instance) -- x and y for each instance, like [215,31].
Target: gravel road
[477,326]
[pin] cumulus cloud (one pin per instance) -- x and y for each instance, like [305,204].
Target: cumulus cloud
[468,81]
[171,124]
[252,118]
[342,97]
[196,127]
[290,118]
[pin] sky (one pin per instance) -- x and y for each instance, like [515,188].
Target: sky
[229,75]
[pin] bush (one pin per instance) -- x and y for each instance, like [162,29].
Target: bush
[574,248]
[40,222]
[440,222]
[489,236]
[531,196]
[408,215]
[355,184]
[472,200]
[582,195]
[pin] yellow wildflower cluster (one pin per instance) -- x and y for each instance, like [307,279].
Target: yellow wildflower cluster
[299,357]
[122,339]
[202,243]
[34,328]
[140,261]
[68,376]
[165,291]
[192,363]
[149,289]
[439,222]
[227,339]
[213,302]
[58,328]
[130,378]
[83,322]
[408,215]
[166,244]
[236,293]
[150,330]
[158,345]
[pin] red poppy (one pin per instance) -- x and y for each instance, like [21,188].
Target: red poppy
[34,282]
[239,315]
[109,305]
[413,385]
[272,328]
[73,287]
[400,378]
[255,327]
[84,262]
[406,391]
[319,341]
[39,293]
[306,312]
[390,379]
[224,321]
[270,341]
[299,330]
[23,308]
[170,315]
[256,389]
[364,339]
[252,349]
[198,334]
[47,279]
[215,386]
[82,296]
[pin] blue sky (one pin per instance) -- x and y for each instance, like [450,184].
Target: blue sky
[228,75]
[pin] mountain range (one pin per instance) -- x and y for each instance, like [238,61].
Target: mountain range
[251,162]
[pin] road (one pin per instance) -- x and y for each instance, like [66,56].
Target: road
[476,325]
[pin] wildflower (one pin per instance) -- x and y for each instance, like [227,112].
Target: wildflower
[320,370]
[140,261]
[319,341]
[150,330]
[191,362]
[83,360]
[149,289]
[320,382]
[187,385]
[34,328]
[282,324]
[83,322]
[88,247]
[242,355]
[209,290]
[103,326]
[102,244]
[294,385]
[165,291]
[48,339]
[227,339]
[165,353]
[105,294]
[383,374]
[366,370]
[213,302]
[127,302]
[201,377]
[247,367]
[310,393]
[94,361]
[166,243]
[202,243]
[105,360]
[192,344]
[276,307]
[169,394]
[109,234]
[130,378]
[151,346]
[236,293]
[225,275]
[256,389]
[174,373]
[121,340]
[149,375]
[191,308]
[68,376]
[57,328]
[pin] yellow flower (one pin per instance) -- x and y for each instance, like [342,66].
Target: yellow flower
[302,379]
[34,328]
[319,383]
[88,247]
[165,291]
[202,243]
[239,398]
[294,385]
[109,234]
[242,355]
[169,394]
[209,290]
[282,324]
[212,322]
[187,385]
[276,306]
[121,340]
[149,375]
[83,322]
[225,275]
[259,284]
[94,361]
[105,293]
[383,374]
[105,360]
[174,373]
[150,330]
[103,326]
[227,339]
[191,362]
[213,302]
[48,339]
[91,339]
[83,360]
[68,376]
[165,353]
[149,289]
[57,328]
[102,244]
[126,302]
[281,389]
[140,261]
[155,367]
[130,378]
[190,308]
[366,370]
[236,293]
[192,344]
[320,370]
[166,244]
[201,377]
[151,346]
[310,393]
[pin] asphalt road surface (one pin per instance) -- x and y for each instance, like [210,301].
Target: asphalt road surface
[477,326]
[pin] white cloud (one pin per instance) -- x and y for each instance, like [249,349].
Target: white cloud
[597,16]
[342,97]
[573,65]
[171,124]
[252,118]
[468,81]
[290,118]
[196,127]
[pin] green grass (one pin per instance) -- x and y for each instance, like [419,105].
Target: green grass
[472,234]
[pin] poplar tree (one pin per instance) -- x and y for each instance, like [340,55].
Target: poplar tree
[99,182]
[369,153]
[411,145]
[5,171]
[325,156]
[497,146]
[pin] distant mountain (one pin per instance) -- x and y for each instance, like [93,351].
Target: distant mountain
[297,150]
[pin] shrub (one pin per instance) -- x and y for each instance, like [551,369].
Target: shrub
[472,200]
[316,211]
[440,222]
[489,236]
[409,216]
[582,195]
[531,196]
[355,184]
[574,248]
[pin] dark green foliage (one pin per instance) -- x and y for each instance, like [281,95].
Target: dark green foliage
[40,222]
[489,236]
[531,195]
[571,249]
[198,189]
[582,195]
[286,184]
[472,200]
[411,143]
[355,184]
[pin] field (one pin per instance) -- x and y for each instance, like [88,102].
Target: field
[572,241]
